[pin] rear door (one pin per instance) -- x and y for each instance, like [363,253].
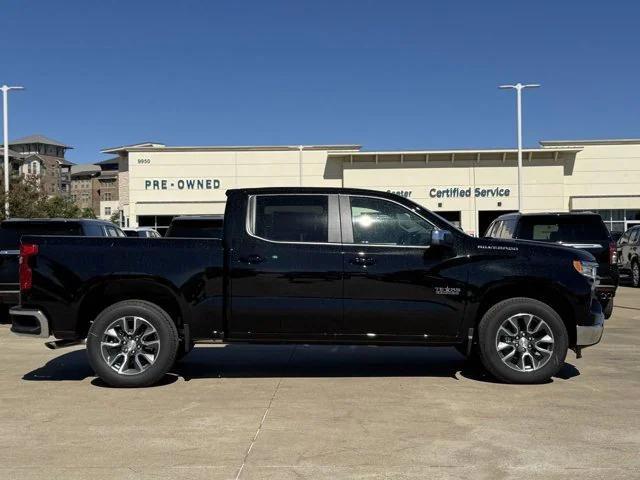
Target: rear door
[629,249]
[286,273]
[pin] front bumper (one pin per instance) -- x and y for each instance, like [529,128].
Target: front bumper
[591,334]
[29,322]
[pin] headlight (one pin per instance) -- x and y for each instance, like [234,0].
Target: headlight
[588,269]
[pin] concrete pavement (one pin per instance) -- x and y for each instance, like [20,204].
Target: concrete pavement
[283,412]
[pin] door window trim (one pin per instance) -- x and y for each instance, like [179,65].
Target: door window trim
[333,218]
[347,227]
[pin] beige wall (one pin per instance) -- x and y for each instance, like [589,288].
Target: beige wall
[542,184]
[232,169]
[604,176]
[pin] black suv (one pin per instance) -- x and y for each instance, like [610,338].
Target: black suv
[196,226]
[583,230]
[629,254]
[12,229]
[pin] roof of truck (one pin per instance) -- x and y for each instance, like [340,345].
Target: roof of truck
[327,190]
[56,220]
[187,218]
[545,214]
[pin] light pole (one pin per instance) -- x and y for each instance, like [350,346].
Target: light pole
[518,87]
[5,121]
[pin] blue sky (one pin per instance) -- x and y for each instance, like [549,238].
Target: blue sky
[386,74]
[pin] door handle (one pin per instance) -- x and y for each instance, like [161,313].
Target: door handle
[362,261]
[252,259]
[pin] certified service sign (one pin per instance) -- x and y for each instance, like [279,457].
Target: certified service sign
[182,184]
[460,192]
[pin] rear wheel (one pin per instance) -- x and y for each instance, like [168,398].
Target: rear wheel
[522,340]
[132,344]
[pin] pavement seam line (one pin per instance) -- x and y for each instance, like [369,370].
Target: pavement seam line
[273,396]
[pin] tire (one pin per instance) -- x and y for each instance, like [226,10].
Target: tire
[607,308]
[522,316]
[635,274]
[137,338]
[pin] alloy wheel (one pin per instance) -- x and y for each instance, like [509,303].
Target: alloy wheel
[130,345]
[524,342]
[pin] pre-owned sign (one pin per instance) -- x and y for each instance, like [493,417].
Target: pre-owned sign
[182,184]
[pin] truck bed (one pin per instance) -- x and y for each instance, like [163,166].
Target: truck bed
[73,278]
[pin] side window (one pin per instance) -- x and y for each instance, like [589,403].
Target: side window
[491,230]
[624,238]
[497,230]
[291,218]
[381,222]
[111,232]
[508,229]
[634,235]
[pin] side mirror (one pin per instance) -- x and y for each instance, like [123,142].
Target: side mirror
[441,238]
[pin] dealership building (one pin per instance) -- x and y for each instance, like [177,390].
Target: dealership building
[468,187]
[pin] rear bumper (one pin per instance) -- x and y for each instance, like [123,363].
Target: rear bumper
[10,297]
[605,293]
[591,334]
[29,322]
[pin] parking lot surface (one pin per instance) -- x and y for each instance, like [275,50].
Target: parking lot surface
[281,412]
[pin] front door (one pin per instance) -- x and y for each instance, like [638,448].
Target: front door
[286,273]
[396,283]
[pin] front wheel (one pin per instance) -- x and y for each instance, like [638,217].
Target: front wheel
[522,340]
[635,274]
[132,344]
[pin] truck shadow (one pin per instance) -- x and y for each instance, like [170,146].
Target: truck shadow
[265,361]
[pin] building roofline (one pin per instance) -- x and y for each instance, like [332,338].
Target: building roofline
[39,138]
[455,152]
[231,148]
[124,148]
[604,141]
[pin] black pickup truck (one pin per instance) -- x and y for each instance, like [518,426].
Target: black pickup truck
[311,265]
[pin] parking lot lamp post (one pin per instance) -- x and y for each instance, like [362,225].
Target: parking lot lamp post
[5,122]
[518,87]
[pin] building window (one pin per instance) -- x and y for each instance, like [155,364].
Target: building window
[107,210]
[618,220]
[107,196]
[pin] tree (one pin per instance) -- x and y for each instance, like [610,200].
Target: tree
[27,199]
[87,213]
[60,207]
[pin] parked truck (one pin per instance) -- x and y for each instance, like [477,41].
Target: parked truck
[311,265]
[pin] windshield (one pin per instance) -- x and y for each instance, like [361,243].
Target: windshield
[196,229]
[567,229]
